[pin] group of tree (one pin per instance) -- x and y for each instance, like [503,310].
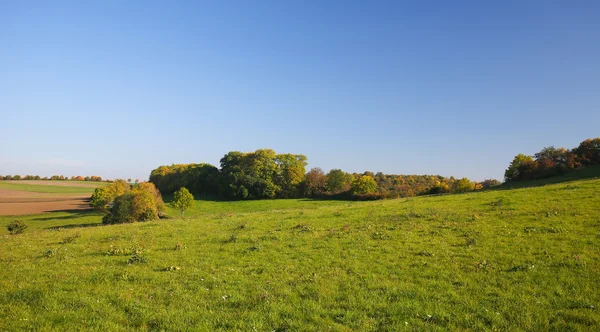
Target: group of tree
[267,174]
[126,203]
[259,174]
[92,178]
[551,161]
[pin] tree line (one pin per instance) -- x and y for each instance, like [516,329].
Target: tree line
[92,178]
[551,161]
[266,174]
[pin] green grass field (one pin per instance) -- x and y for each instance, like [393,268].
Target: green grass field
[521,259]
[53,187]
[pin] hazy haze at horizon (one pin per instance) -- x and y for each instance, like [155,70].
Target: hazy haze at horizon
[116,89]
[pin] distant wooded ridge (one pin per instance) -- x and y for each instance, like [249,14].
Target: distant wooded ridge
[551,161]
[92,178]
[266,174]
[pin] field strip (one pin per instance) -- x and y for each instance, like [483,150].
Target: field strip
[24,208]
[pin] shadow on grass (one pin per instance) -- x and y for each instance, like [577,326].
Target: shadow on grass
[168,198]
[588,173]
[95,224]
[73,214]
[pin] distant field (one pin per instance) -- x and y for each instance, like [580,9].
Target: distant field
[52,187]
[31,197]
[521,259]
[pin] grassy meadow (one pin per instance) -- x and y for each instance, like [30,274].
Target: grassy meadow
[520,259]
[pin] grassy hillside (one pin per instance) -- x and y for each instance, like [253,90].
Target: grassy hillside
[591,172]
[524,259]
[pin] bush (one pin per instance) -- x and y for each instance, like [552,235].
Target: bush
[101,198]
[131,207]
[16,227]
[150,188]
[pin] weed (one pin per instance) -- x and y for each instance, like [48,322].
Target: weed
[425,253]
[255,247]
[16,227]
[379,236]
[70,239]
[137,259]
[232,238]
[50,252]
[302,228]
[499,202]
[469,242]
[114,251]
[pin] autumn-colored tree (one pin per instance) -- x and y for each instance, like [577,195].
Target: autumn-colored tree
[316,182]
[151,188]
[141,203]
[290,173]
[488,183]
[119,187]
[101,197]
[16,177]
[364,185]
[520,168]
[104,196]
[462,185]
[131,207]
[589,151]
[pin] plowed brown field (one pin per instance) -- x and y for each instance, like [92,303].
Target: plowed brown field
[16,202]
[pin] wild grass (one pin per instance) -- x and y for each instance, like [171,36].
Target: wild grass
[522,259]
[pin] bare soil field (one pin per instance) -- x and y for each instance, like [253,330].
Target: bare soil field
[17,202]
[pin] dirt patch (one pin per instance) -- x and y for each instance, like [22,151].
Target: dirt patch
[25,206]
[17,202]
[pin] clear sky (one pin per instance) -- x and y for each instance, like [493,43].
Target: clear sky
[117,88]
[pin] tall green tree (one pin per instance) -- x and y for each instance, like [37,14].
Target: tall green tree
[338,181]
[182,200]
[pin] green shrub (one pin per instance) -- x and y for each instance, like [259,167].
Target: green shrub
[16,227]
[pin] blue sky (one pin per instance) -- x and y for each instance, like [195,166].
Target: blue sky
[116,88]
